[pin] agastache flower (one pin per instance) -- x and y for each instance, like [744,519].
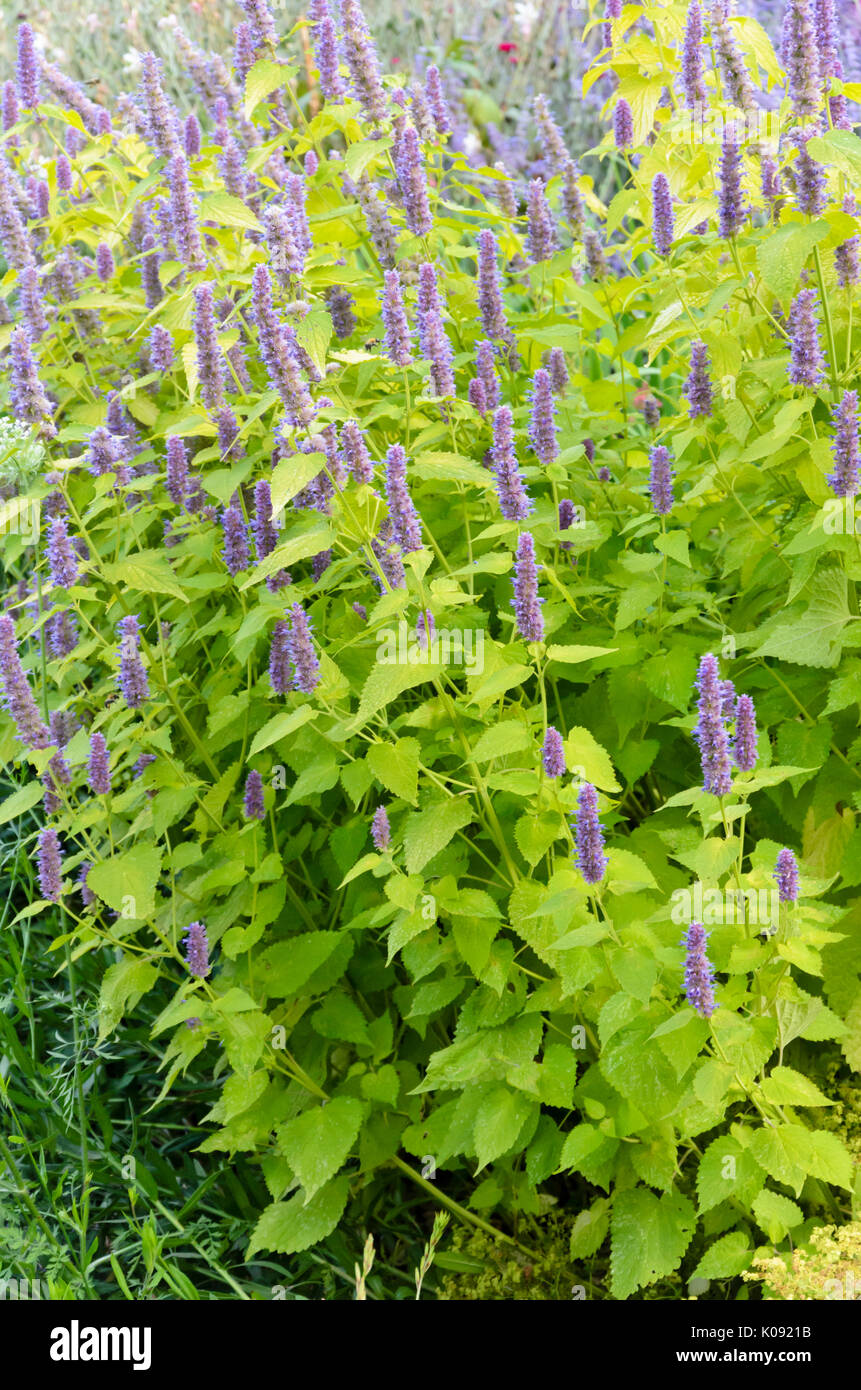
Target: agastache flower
[208,352]
[279,659]
[406,526]
[623,125]
[10,109]
[553,753]
[558,369]
[485,366]
[731,205]
[801,60]
[661,480]
[17,695]
[744,746]
[846,261]
[810,178]
[490,305]
[104,262]
[265,534]
[197,950]
[133,681]
[176,470]
[98,767]
[542,423]
[786,874]
[844,480]
[596,262]
[425,628]
[514,501]
[380,830]
[397,338]
[50,865]
[27,68]
[589,836]
[360,56]
[526,603]
[306,675]
[806,356]
[693,81]
[711,733]
[340,305]
[252,801]
[825,27]
[355,452]
[541,241]
[325,43]
[182,213]
[550,134]
[62,560]
[436,100]
[413,184]
[698,387]
[26,392]
[662,215]
[738,88]
[191,136]
[234,539]
[699,975]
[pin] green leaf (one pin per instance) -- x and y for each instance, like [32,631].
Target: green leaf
[500,1118]
[359,155]
[787,1087]
[319,1141]
[535,834]
[385,683]
[783,252]
[126,882]
[570,656]
[314,334]
[776,1214]
[429,831]
[284,968]
[280,726]
[396,765]
[261,81]
[291,475]
[585,758]
[812,636]
[510,736]
[590,1230]
[288,1227]
[227,211]
[21,801]
[725,1258]
[727,1169]
[649,1236]
[122,986]
[147,572]
[791,1153]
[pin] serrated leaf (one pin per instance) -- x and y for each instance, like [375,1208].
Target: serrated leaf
[649,1236]
[585,758]
[501,1116]
[725,1258]
[776,1214]
[783,1086]
[288,1227]
[429,831]
[396,766]
[319,1141]
[127,881]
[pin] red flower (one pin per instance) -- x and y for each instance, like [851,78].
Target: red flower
[507,47]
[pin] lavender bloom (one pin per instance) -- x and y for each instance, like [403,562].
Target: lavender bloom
[176,477]
[425,628]
[27,68]
[526,603]
[710,733]
[208,353]
[693,81]
[591,859]
[26,392]
[514,501]
[133,680]
[558,369]
[662,215]
[356,452]
[477,395]
[325,42]
[104,262]
[153,293]
[13,233]
[844,480]
[486,369]
[604,475]
[614,9]
[265,535]
[744,748]
[197,950]
[183,216]
[623,125]
[572,200]
[737,85]
[306,676]
[191,136]
[806,356]
[32,304]
[279,349]
[541,241]
[161,349]
[61,632]
[727,700]
[661,480]
[62,560]
[406,525]
[432,335]
[279,659]
[553,753]
[88,897]
[731,205]
[161,122]
[801,60]
[378,222]
[786,874]
[810,177]
[235,540]
[698,387]
[413,184]
[310,163]
[50,865]
[18,697]
[490,303]
[252,802]
[699,976]
[396,339]
[98,767]
[542,423]
[567,515]
[229,443]
[596,262]
[381,833]
[244,56]
[772,189]
[437,101]
[846,254]
[145,759]
[340,305]
[287,258]
[825,25]
[360,56]
[388,555]
[10,109]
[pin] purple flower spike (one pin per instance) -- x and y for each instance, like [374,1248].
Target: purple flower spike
[810,178]
[477,395]
[710,733]
[786,874]
[541,240]
[17,695]
[623,125]
[133,680]
[176,470]
[542,422]
[558,369]
[235,540]
[661,480]
[98,767]
[265,534]
[846,261]
[406,524]
[526,603]
[413,184]
[325,42]
[381,833]
[727,696]
[589,836]
[699,976]
[397,338]
[279,659]
[32,303]
[27,69]
[26,392]
[191,136]
[104,262]
[197,950]
[693,81]
[566,519]
[806,357]
[436,100]
[553,753]
[801,60]
[698,387]
[88,897]
[183,216]
[731,205]
[208,352]
[425,628]
[306,675]
[844,480]
[252,802]
[360,56]
[356,452]
[485,366]
[161,349]
[62,559]
[514,501]
[744,748]
[662,215]
[490,303]
[50,865]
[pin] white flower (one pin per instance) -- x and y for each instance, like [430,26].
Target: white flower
[525,15]
[471,144]
[132,60]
